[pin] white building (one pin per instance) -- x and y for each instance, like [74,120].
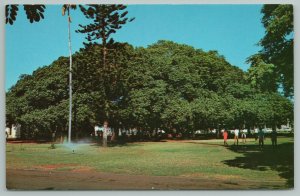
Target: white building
[14,132]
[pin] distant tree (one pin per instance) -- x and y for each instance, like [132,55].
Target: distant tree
[107,19]
[270,109]
[34,13]
[39,101]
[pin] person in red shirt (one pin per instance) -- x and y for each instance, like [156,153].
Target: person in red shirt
[225,136]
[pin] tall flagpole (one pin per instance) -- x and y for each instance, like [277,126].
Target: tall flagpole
[70,77]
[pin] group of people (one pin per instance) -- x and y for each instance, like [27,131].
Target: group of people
[135,134]
[105,134]
[236,136]
[260,136]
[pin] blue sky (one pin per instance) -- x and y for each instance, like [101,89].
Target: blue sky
[232,30]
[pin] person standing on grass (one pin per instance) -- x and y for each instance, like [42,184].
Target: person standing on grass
[53,139]
[225,136]
[105,133]
[236,137]
[244,136]
[255,135]
[261,137]
[274,138]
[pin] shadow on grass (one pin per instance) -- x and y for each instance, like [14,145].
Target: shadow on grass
[125,143]
[114,144]
[205,143]
[280,159]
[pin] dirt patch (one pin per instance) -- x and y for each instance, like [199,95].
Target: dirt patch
[205,176]
[82,169]
[86,179]
[55,166]
[226,177]
[14,141]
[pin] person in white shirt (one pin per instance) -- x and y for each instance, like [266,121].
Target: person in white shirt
[236,137]
[105,133]
[244,135]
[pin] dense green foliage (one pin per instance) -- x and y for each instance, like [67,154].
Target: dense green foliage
[276,58]
[165,85]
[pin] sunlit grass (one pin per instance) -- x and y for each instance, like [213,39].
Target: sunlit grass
[189,158]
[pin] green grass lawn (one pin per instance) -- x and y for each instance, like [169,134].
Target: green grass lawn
[192,158]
